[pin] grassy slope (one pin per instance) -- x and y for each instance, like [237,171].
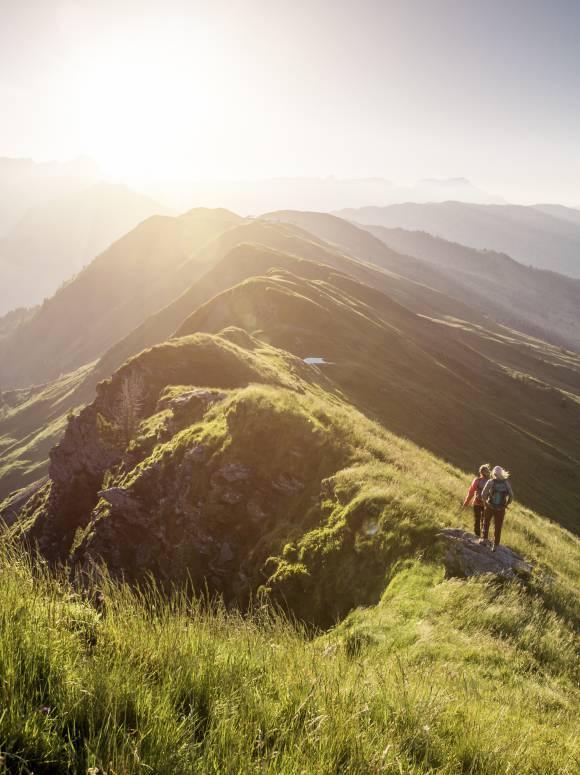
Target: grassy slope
[409,282]
[134,277]
[541,303]
[255,247]
[235,260]
[492,285]
[534,383]
[426,379]
[31,422]
[418,283]
[440,676]
[245,250]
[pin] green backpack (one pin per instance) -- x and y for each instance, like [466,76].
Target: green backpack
[499,494]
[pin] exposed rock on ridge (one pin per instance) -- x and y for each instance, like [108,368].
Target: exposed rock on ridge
[465,557]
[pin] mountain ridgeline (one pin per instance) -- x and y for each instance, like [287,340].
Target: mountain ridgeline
[56,239]
[544,236]
[405,345]
[242,465]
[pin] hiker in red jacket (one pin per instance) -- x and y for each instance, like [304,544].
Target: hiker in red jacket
[475,494]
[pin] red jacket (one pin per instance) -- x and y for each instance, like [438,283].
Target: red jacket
[475,490]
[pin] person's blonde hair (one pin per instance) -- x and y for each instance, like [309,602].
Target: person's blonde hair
[500,473]
[485,467]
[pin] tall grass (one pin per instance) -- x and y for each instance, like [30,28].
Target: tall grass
[440,677]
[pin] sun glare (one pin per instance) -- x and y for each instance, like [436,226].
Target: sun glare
[147,115]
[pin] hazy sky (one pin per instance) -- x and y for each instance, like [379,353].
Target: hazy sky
[486,89]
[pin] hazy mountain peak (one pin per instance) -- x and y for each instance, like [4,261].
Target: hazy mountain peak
[210,212]
[460,181]
[546,236]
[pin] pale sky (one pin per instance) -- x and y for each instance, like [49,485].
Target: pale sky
[405,89]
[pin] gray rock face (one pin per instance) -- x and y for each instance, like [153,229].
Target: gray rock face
[287,485]
[234,472]
[81,451]
[226,553]
[116,496]
[192,399]
[255,511]
[465,557]
[195,454]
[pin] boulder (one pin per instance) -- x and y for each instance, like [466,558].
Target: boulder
[118,497]
[226,553]
[287,485]
[233,472]
[465,556]
[194,398]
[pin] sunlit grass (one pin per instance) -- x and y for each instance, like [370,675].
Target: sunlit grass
[440,676]
[446,677]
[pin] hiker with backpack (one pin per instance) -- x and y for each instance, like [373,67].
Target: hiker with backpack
[497,496]
[475,494]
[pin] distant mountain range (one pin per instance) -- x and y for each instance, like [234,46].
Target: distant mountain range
[540,303]
[57,216]
[545,236]
[139,290]
[251,197]
[56,238]
[25,183]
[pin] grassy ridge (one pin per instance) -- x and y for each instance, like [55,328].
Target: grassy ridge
[438,677]
[282,489]
[441,676]
[31,422]
[463,391]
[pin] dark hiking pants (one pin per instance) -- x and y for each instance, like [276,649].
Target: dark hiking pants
[477,519]
[497,515]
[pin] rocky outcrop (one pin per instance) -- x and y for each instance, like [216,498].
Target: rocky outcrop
[213,480]
[103,442]
[197,483]
[466,556]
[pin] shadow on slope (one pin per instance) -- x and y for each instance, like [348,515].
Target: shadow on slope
[476,285]
[31,422]
[541,303]
[459,390]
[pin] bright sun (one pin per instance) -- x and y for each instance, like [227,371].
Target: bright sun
[147,110]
